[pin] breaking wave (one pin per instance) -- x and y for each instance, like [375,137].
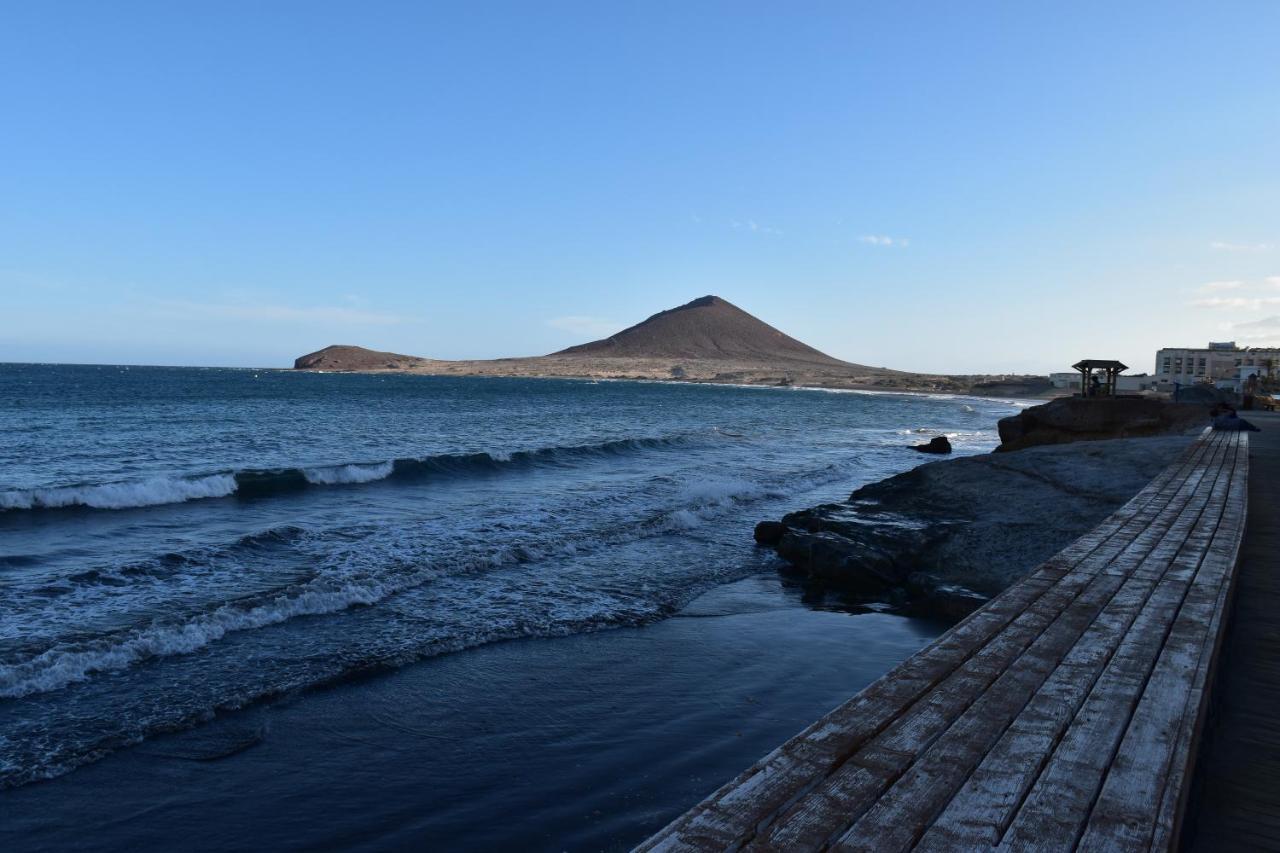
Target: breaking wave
[66,663]
[60,666]
[150,492]
[265,482]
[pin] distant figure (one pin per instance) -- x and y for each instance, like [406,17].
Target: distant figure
[1226,419]
[1250,389]
[1177,388]
[1095,387]
[938,444]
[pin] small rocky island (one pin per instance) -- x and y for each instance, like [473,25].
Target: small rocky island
[944,537]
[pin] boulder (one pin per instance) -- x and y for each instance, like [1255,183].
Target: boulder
[953,602]
[1070,419]
[857,567]
[937,444]
[769,532]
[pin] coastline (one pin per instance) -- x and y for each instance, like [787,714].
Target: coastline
[957,386]
[944,537]
[806,648]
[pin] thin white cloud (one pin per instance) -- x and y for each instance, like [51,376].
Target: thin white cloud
[1250,303]
[1246,295]
[270,313]
[753,226]
[1266,329]
[884,240]
[1227,246]
[592,327]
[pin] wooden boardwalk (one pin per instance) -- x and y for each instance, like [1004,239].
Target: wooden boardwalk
[1064,714]
[1237,801]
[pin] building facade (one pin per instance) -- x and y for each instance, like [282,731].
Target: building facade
[1124,384]
[1218,363]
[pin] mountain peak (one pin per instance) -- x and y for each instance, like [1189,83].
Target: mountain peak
[706,328]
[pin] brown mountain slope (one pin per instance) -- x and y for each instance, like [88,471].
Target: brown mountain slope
[707,340]
[707,328]
[344,357]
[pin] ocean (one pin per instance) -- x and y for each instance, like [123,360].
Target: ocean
[182,548]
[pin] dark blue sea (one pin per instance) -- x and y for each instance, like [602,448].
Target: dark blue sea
[185,553]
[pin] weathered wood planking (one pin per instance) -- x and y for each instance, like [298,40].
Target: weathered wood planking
[903,813]
[1235,800]
[783,777]
[1061,713]
[981,810]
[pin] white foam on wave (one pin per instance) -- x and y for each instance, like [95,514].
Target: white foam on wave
[706,498]
[354,473]
[68,663]
[151,492]
[63,665]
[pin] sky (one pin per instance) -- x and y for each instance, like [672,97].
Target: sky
[943,187]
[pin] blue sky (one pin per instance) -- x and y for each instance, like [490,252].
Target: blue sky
[978,187]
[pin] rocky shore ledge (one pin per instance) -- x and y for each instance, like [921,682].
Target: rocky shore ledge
[944,537]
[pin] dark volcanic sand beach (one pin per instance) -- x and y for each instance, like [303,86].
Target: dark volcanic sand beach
[587,742]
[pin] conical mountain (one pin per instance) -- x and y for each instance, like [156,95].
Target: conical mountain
[706,328]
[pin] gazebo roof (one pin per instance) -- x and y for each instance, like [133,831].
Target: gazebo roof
[1099,364]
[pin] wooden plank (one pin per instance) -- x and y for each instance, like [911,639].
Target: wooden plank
[986,802]
[1143,785]
[819,816]
[751,801]
[1236,801]
[1060,799]
[902,814]
[1174,800]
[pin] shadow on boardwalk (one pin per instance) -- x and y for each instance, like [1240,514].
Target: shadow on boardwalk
[1237,802]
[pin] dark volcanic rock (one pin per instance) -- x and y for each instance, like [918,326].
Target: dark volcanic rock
[947,535]
[827,556]
[344,357]
[937,444]
[1070,419]
[769,532]
[952,602]
[928,596]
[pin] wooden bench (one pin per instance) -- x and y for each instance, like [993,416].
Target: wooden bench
[1063,714]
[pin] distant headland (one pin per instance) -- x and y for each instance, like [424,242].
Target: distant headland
[706,340]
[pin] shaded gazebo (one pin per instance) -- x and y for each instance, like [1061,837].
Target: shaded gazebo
[1107,368]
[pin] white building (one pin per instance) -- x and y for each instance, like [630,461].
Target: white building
[1217,363]
[1124,384]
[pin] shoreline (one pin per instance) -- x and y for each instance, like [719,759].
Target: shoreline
[587,741]
[788,643]
[944,537]
[849,387]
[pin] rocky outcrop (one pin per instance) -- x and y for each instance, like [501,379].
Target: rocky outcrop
[345,357]
[937,444]
[942,538]
[1091,419]
[1013,386]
